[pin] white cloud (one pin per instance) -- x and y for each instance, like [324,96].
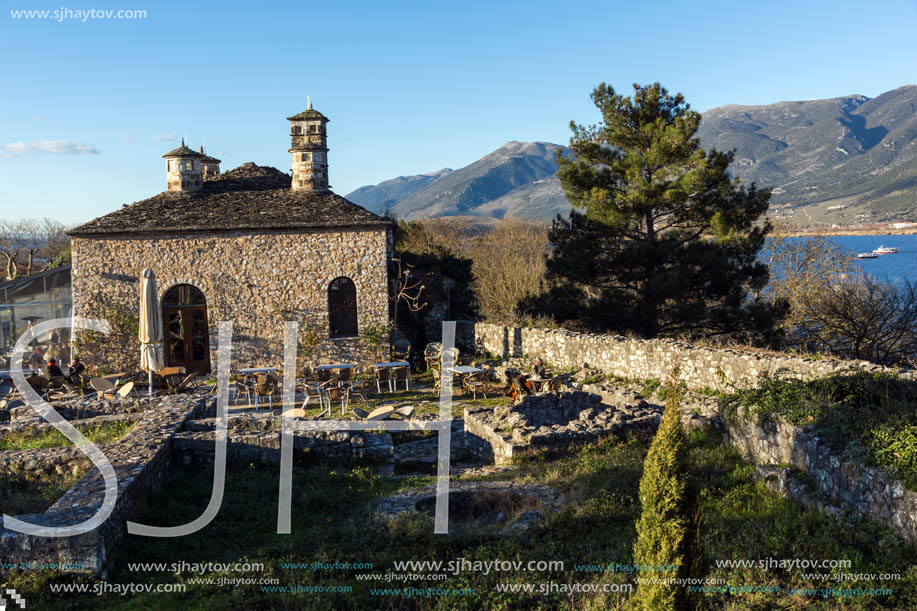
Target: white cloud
[127,139]
[165,137]
[63,147]
[36,119]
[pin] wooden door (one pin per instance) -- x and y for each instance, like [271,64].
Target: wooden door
[187,336]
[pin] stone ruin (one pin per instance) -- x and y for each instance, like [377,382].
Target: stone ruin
[554,421]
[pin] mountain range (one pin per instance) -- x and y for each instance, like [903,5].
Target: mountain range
[839,160]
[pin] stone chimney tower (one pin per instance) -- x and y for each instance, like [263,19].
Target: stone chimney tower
[183,169]
[210,166]
[309,149]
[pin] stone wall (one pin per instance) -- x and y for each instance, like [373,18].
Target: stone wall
[700,367]
[256,438]
[140,461]
[865,491]
[254,280]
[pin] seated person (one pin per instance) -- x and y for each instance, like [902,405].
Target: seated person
[76,368]
[35,360]
[52,370]
[538,371]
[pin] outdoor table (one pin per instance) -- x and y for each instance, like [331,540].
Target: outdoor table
[253,370]
[391,364]
[114,378]
[464,369]
[336,366]
[381,413]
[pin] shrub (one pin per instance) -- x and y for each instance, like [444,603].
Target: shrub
[869,417]
[663,530]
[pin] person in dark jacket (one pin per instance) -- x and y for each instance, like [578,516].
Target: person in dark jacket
[76,368]
[52,370]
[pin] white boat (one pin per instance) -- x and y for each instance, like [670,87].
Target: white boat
[867,255]
[885,250]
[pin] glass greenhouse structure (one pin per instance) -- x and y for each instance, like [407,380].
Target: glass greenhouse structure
[33,299]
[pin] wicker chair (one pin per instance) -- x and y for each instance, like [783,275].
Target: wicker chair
[432,354]
[400,374]
[336,393]
[266,386]
[474,382]
[383,374]
[401,350]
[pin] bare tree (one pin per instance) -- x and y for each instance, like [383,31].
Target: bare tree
[862,318]
[408,288]
[34,243]
[508,266]
[11,246]
[800,270]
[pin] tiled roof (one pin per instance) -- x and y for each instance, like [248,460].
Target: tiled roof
[207,157]
[182,151]
[308,114]
[249,197]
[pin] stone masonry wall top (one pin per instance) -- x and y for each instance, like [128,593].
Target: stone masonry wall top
[700,367]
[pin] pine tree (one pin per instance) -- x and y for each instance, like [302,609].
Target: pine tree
[664,241]
[663,530]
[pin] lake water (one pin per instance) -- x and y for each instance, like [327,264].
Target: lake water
[897,267]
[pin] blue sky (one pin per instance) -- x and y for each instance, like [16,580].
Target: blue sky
[87,108]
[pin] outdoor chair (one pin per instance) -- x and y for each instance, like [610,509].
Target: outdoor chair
[63,387]
[474,382]
[435,369]
[295,412]
[383,374]
[171,377]
[240,384]
[455,355]
[183,384]
[555,384]
[357,386]
[360,413]
[324,375]
[335,393]
[127,390]
[432,353]
[103,387]
[343,377]
[266,386]
[401,350]
[314,390]
[400,374]
[405,412]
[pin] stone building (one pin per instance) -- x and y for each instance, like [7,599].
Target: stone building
[252,245]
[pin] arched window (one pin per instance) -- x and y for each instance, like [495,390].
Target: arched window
[342,307]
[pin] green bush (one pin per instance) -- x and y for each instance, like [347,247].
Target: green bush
[870,417]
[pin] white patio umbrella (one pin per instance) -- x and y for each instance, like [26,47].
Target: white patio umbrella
[150,326]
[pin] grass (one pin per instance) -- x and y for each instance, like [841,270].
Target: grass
[24,494]
[869,417]
[333,521]
[108,432]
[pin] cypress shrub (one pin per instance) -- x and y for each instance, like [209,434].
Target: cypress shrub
[663,530]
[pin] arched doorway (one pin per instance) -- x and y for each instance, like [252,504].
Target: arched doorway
[184,314]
